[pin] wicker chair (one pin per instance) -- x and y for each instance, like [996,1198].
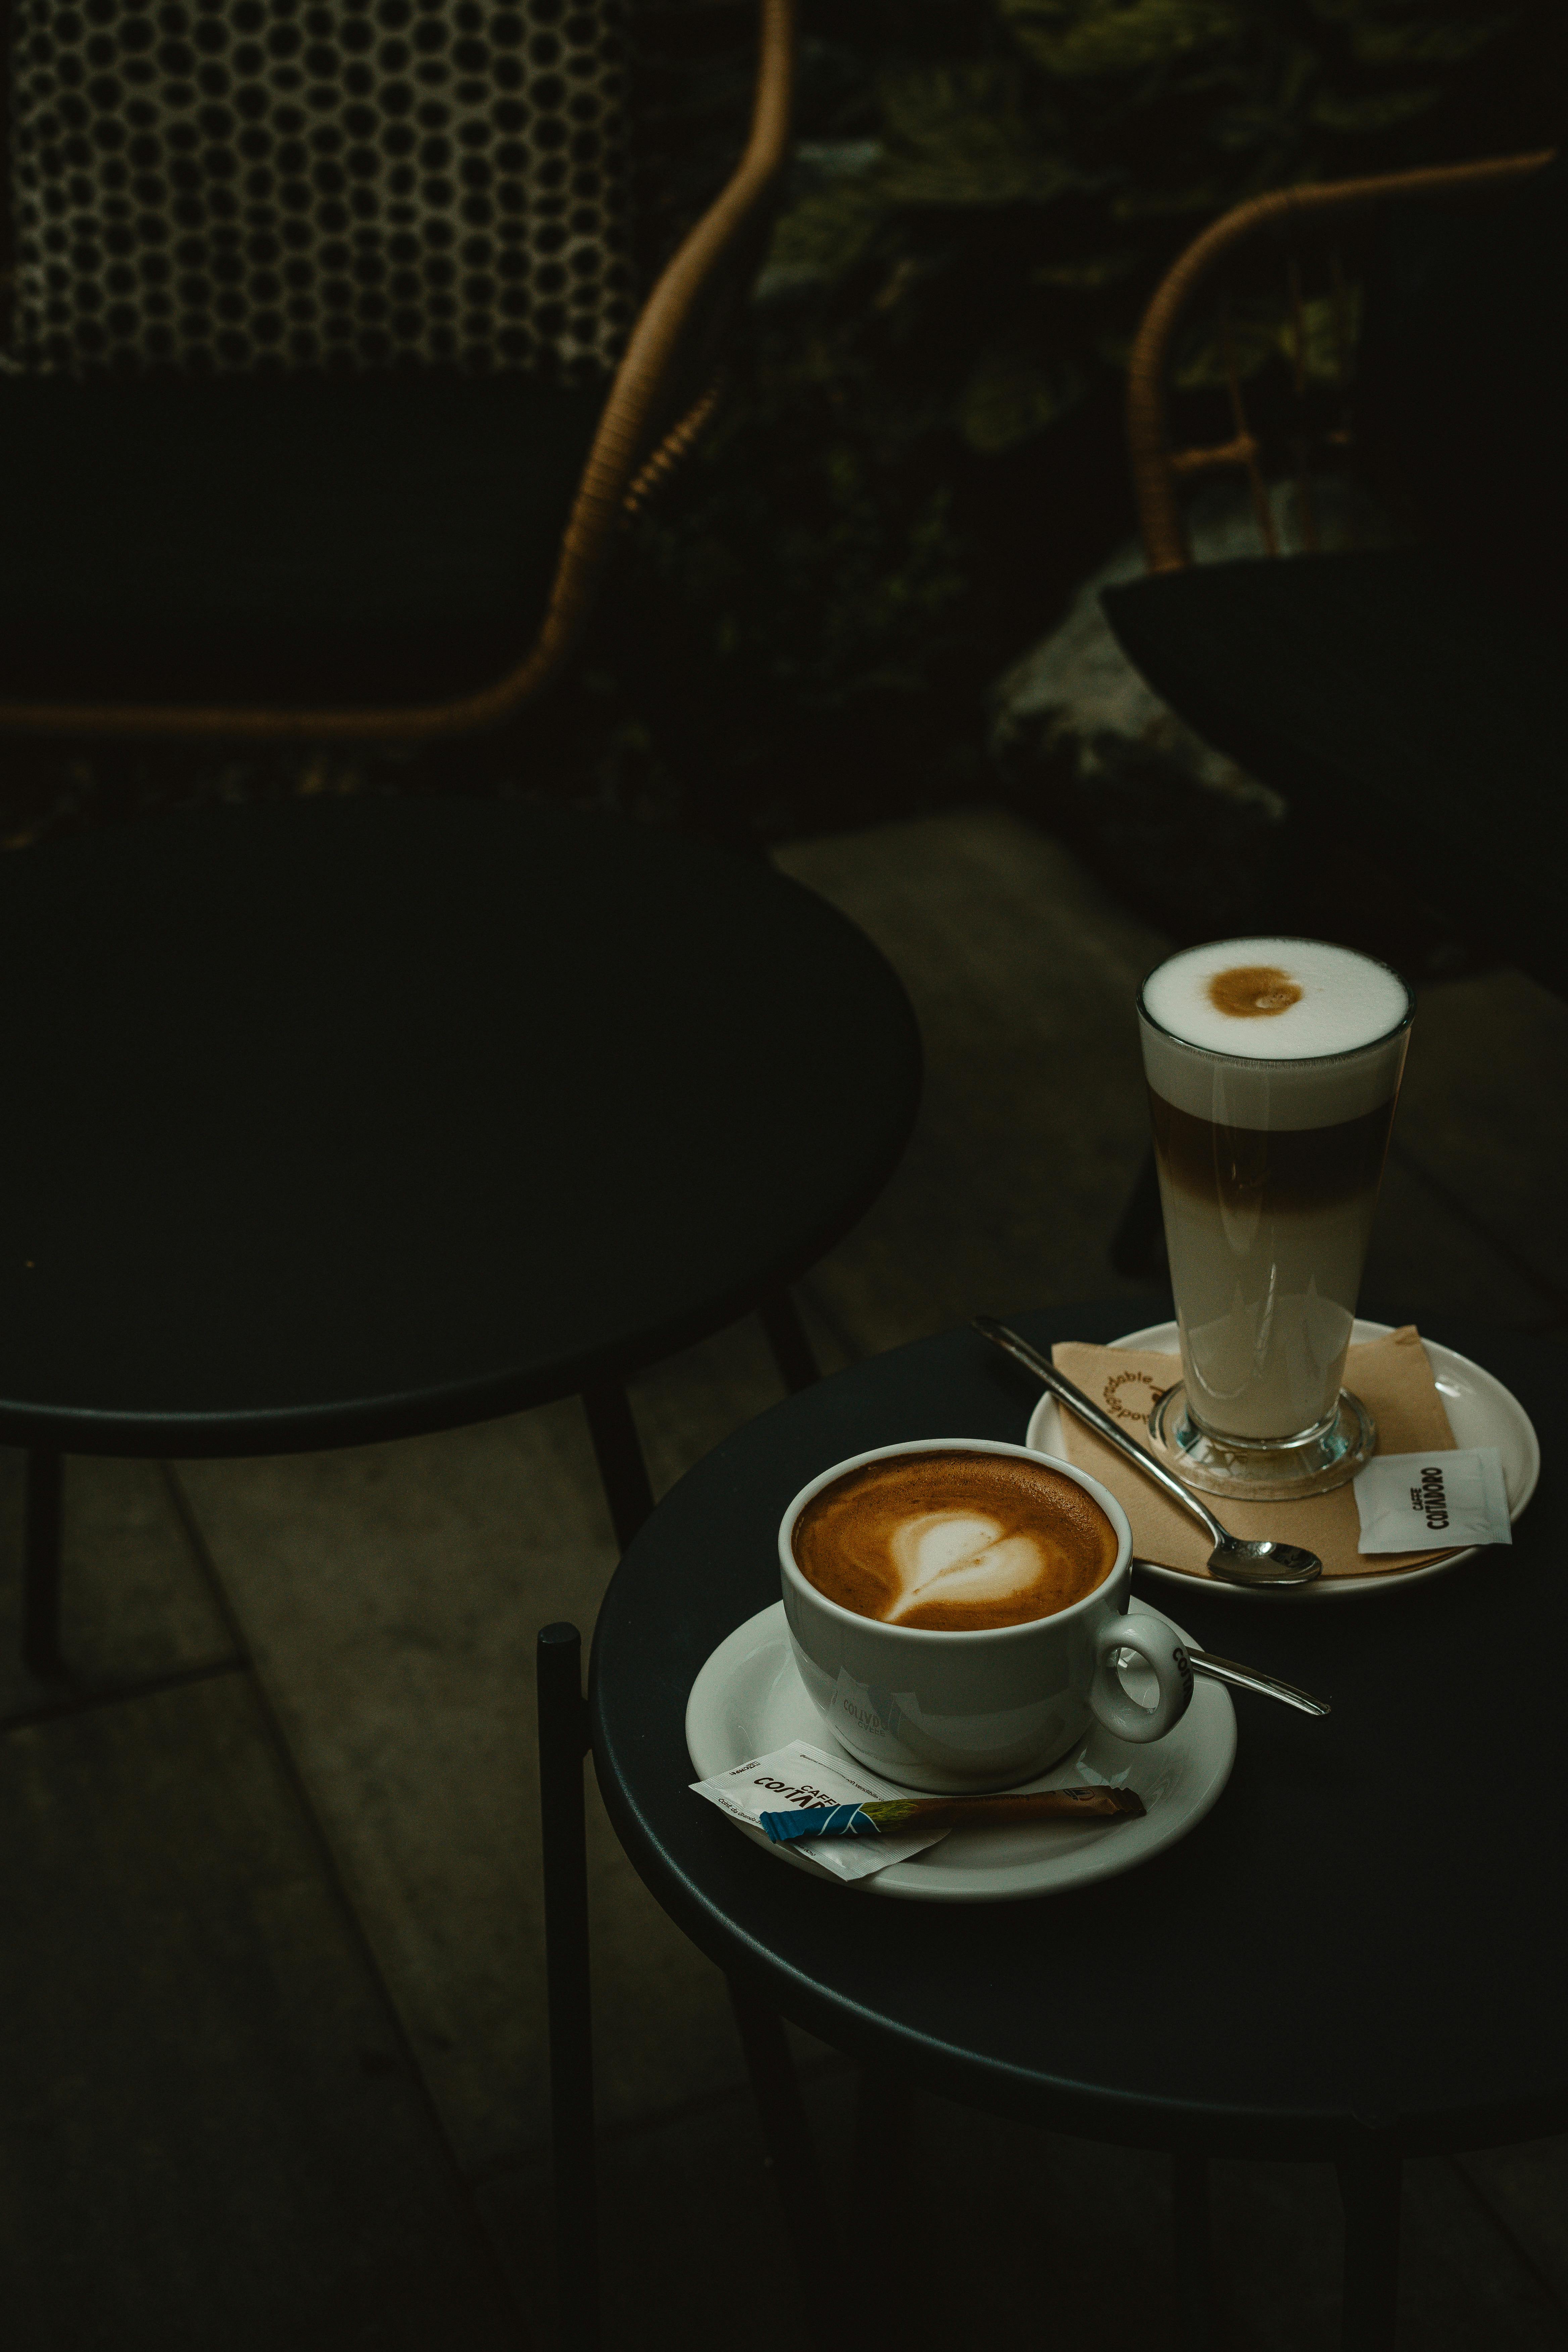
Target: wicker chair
[1405,693]
[324,394]
[1159,470]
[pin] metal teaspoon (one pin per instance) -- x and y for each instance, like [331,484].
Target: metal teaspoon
[1248,1678]
[1259,1565]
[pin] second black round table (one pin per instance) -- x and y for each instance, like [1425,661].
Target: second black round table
[330,1121]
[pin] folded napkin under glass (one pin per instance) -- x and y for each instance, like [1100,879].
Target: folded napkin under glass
[1391,1376]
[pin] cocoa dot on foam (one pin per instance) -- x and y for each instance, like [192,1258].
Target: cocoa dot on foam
[1249,991]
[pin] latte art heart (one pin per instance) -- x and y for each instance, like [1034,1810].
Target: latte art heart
[972,1560]
[948,1541]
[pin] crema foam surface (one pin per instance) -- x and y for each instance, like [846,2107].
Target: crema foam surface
[949,1541]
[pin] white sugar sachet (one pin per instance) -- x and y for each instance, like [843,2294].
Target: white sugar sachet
[794,1778]
[1433,1501]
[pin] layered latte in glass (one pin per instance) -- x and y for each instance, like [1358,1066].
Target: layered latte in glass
[1273,1068]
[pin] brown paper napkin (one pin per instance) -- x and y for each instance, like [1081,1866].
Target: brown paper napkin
[1393,1380]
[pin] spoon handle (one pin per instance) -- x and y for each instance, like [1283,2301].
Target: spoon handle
[1068,1392]
[1248,1678]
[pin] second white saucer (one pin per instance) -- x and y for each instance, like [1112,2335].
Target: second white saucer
[1481,1410]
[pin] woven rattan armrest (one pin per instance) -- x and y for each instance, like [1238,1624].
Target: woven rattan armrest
[1157,468]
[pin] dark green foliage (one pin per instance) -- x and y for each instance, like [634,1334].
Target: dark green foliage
[1028,177]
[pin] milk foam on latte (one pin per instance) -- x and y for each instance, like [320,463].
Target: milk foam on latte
[953,1542]
[1273,1066]
[1276,999]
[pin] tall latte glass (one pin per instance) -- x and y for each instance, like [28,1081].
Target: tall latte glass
[1273,1068]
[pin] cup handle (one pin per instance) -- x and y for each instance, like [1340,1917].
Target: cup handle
[1162,1653]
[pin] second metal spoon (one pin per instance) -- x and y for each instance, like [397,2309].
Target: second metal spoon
[1234,1559]
[1248,1678]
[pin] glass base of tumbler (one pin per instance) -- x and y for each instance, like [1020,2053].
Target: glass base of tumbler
[1264,1471]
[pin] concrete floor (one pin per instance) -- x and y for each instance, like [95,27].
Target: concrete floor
[272,1973]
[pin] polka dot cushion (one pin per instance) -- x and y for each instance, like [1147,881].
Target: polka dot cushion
[228,184]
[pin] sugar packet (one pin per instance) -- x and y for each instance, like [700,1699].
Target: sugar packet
[798,1775]
[1433,1501]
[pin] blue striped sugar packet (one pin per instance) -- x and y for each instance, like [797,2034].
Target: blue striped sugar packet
[818,1821]
[799,1778]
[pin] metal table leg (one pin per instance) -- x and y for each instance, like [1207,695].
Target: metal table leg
[562,1745]
[1370,2184]
[628,1488]
[1197,2305]
[44,1513]
[807,2209]
[792,1351]
[1138,1245]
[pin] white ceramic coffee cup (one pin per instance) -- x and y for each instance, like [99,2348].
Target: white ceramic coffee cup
[983,1709]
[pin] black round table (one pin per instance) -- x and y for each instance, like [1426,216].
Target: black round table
[334,1121]
[1355,1955]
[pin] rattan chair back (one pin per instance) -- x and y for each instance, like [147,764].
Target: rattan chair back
[1304,240]
[254,184]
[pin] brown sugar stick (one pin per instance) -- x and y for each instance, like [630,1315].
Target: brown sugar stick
[885,1816]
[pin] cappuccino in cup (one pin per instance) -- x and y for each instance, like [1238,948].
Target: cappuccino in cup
[954,1541]
[1273,1068]
[957,1608]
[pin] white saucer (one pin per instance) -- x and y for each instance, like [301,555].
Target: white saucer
[749,1700]
[1481,1410]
